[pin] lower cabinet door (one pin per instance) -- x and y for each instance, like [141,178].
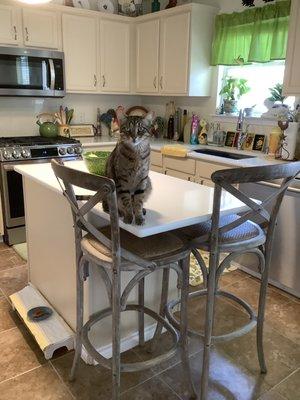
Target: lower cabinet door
[180,175]
[156,168]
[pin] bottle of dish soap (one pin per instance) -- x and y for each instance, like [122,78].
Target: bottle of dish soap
[194,129]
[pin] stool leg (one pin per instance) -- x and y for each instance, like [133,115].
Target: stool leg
[185,265]
[141,313]
[261,315]
[209,319]
[116,316]
[79,315]
[163,302]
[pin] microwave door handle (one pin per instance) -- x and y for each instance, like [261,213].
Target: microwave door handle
[52,74]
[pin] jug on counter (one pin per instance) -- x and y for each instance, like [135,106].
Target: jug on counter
[48,128]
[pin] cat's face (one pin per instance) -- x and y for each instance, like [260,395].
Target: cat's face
[135,129]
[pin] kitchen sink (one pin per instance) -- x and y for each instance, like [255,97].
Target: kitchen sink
[224,154]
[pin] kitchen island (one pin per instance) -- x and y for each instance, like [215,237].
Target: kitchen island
[174,203]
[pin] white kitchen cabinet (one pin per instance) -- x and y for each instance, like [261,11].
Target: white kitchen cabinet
[40,28]
[156,158]
[114,56]
[147,56]
[183,61]
[174,55]
[80,48]
[180,175]
[155,168]
[10,31]
[291,85]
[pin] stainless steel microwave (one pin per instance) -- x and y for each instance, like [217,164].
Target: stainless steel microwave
[30,72]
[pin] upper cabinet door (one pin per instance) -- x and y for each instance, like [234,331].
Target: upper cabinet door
[80,48]
[9,27]
[174,55]
[40,28]
[147,51]
[114,56]
[292,75]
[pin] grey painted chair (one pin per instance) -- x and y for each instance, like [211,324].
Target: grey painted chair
[143,256]
[236,235]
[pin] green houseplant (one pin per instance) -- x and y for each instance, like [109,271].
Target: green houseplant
[232,91]
[276,94]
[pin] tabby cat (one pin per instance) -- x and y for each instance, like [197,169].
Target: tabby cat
[128,165]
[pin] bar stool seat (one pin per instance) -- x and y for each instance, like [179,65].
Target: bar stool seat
[152,248]
[244,235]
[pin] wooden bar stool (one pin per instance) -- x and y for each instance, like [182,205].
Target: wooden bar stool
[115,252]
[236,235]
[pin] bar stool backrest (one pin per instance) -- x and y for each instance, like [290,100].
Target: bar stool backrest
[100,188]
[227,179]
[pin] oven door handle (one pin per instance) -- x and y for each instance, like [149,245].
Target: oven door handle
[52,74]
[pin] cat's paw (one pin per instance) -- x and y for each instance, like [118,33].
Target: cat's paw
[140,220]
[128,219]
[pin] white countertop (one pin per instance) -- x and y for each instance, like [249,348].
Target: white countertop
[173,203]
[258,159]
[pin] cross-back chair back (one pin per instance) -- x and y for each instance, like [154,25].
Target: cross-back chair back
[229,178]
[101,188]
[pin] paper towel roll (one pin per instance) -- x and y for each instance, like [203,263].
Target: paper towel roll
[291,139]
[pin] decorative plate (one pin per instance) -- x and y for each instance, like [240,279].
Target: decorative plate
[106,6]
[37,314]
[82,4]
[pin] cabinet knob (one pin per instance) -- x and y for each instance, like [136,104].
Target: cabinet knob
[26,34]
[15,32]
[154,82]
[161,82]
[103,81]
[95,80]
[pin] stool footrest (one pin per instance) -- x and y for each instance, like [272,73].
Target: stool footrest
[218,338]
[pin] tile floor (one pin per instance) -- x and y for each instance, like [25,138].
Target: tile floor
[26,375]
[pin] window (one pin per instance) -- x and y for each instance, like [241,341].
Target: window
[260,78]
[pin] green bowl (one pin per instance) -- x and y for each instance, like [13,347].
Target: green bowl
[96,161]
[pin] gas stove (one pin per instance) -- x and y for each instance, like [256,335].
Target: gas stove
[37,147]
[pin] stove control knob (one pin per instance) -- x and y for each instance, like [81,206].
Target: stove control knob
[7,155]
[78,150]
[25,153]
[16,154]
[70,150]
[62,151]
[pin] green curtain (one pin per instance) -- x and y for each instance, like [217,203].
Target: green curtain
[255,35]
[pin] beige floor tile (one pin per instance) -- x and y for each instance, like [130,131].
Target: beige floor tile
[94,382]
[228,380]
[232,277]
[18,353]
[282,355]
[13,280]
[272,395]
[39,384]
[154,389]
[8,318]
[290,387]
[10,259]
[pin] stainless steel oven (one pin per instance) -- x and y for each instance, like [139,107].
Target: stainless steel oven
[31,72]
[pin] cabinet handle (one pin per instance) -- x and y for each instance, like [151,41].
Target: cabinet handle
[95,80]
[15,32]
[161,82]
[26,34]
[103,81]
[154,82]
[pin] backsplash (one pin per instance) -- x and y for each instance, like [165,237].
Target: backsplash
[18,114]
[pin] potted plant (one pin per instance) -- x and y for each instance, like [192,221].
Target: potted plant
[232,91]
[276,94]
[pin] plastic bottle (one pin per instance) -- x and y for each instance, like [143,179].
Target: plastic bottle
[155,6]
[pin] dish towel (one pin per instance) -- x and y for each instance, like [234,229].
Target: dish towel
[174,150]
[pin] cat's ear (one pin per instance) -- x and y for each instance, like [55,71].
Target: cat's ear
[148,118]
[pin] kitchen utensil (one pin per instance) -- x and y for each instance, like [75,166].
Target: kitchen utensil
[41,313]
[96,161]
[47,128]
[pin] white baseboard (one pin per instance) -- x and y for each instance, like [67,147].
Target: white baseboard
[127,343]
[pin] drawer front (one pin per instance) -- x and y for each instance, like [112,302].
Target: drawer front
[205,169]
[185,165]
[180,175]
[155,168]
[156,158]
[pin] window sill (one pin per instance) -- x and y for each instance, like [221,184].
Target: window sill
[250,120]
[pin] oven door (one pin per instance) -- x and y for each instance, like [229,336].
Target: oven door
[13,198]
[29,72]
